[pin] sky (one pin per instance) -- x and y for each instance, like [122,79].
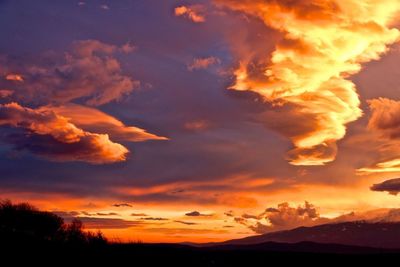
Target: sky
[203,120]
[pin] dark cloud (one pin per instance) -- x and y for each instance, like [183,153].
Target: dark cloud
[391,186]
[154,219]
[107,214]
[186,223]
[385,117]
[91,222]
[121,205]
[89,72]
[107,223]
[196,214]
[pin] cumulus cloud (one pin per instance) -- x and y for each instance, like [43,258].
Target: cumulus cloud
[391,186]
[89,72]
[385,117]
[58,128]
[285,217]
[324,42]
[193,13]
[62,139]
[203,63]
[385,122]
[282,217]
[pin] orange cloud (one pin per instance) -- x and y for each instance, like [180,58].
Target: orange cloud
[192,13]
[14,77]
[203,63]
[6,93]
[385,117]
[196,125]
[67,142]
[392,165]
[89,72]
[94,120]
[385,122]
[282,217]
[324,42]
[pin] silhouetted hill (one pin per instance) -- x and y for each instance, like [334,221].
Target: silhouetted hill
[32,237]
[378,235]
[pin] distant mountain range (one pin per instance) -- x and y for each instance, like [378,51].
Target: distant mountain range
[361,233]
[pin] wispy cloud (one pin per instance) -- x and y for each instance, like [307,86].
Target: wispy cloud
[193,13]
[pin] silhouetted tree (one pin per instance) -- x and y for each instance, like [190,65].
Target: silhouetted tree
[24,223]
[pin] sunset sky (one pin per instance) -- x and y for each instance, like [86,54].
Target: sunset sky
[203,120]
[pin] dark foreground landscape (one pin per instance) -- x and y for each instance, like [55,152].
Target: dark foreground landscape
[28,235]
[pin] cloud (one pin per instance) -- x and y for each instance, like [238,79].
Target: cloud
[58,128]
[154,219]
[196,125]
[186,223]
[203,63]
[392,165]
[107,223]
[105,7]
[385,117]
[324,42]
[97,121]
[107,214]
[285,217]
[4,93]
[193,13]
[89,72]
[391,186]
[385,123]
[282,217]
[97,223]
[196,214]
[122,205]
[14,77]
[51,135]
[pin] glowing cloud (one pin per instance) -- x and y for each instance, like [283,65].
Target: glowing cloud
[14,77]
[385,122]
[58,128]
[94,120]
[203,63]
[6,93]
[282,217]
[190,12]
[58,139]
[385,117]
[325,42]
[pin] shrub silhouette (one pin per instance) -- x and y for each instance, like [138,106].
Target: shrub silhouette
[24,223]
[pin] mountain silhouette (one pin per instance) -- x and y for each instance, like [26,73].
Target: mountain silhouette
[359,233]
